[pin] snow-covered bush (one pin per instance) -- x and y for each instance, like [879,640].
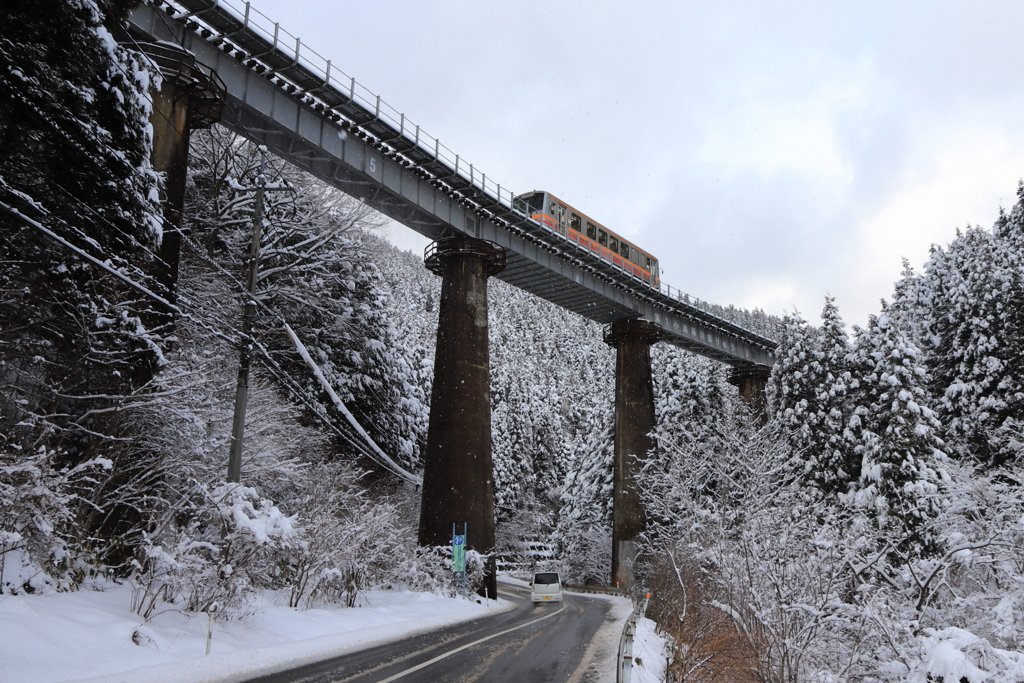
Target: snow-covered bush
[430,570]
[39,504]
[230,546]
[952,654]
[350,540]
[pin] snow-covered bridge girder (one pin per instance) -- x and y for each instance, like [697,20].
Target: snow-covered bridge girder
[285,96]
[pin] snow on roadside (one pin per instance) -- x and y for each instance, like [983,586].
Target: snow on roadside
[92,635]
[599,662]
[650,650]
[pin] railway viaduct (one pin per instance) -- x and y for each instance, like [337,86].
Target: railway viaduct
[224,61]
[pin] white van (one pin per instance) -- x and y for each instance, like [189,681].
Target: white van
[546,587]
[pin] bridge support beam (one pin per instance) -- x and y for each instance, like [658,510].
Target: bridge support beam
[752,380]
[189,97]
[458,478]
[634,420]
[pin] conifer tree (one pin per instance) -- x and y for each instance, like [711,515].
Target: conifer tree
[794,377]
[583,535]
[895,434]
[976,324]
[74,156]
[689,391]
[911,307]
[833,465]
[74,108]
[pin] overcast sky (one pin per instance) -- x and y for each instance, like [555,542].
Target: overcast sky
[767,152]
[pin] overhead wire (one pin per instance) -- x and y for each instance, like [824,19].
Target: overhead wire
[374,451]
[146,291]
[234,339]
[371,387]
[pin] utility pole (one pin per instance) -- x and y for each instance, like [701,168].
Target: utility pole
[248,318]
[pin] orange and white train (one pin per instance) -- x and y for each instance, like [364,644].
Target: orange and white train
[577,227]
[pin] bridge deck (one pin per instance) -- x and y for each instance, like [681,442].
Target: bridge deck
[285,96]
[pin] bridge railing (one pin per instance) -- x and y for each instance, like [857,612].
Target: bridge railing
[311,74]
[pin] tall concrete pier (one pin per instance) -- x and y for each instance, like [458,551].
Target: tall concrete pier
[634,420]
[458,479]
[190,97]
[752,380]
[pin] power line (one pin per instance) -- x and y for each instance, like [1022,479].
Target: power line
[385,462]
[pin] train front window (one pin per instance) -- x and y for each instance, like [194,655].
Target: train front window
[575,224]
[591,230]
[602,238]
[537,202]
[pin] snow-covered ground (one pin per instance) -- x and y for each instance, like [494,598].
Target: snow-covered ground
[93,635]
[650,651]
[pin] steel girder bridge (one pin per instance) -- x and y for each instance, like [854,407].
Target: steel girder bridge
[283,95]
[230,61]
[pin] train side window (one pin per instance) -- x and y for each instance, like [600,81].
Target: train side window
[591,230]
[575,223]
[602,238]
[613,244]
[624,250]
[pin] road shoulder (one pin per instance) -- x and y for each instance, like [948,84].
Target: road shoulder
[600,659]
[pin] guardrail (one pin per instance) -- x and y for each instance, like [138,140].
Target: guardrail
[595,590]
[624,671]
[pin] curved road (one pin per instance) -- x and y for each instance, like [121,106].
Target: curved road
[530,644]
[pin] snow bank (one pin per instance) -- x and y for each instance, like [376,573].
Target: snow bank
[650,651]
[91,635]
[954,655]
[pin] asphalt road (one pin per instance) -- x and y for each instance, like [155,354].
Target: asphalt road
[530,644]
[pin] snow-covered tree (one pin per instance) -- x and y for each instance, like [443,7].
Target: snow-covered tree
[976,327]
[583,538]
[690,390]
[75,158]
[791,385]
[833,465]
[315,274]
[895,434]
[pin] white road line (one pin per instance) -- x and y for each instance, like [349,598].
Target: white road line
[475,642]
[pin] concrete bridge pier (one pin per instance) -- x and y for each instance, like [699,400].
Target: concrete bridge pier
[190,97]
[634,420]
[752,380]
[458,478]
